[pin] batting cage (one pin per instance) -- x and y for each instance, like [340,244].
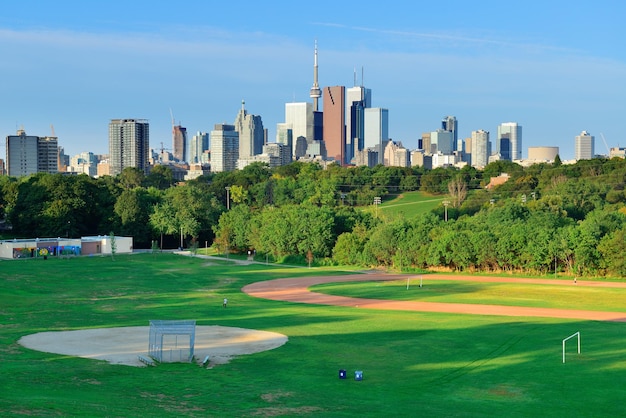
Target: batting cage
[172,341]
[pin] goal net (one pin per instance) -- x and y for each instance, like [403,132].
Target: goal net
[172,341]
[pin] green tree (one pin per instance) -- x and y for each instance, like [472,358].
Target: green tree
[160,177]
[163,220]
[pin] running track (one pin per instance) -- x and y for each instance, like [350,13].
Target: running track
[297,290]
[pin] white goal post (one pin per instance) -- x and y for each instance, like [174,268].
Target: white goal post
[576,334]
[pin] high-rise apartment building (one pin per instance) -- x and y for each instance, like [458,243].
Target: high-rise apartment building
[251,133]
[376,130]
[224,148]
[584,146]
[198,145]
[510,141]
[27,154]
[129,145]
[480,148]
[335,123]
[179,143]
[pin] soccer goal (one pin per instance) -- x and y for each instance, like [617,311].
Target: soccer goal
[576,334]
[172,341]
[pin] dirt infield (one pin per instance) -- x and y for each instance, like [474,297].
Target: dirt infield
[296,290]
[123,345]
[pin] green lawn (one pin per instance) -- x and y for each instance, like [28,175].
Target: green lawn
[409,204]
[413,364]
[508,294]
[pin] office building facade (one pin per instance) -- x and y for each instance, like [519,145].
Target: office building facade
[27,154]
[198,145]
[376,130]
[510,141]
[358,99]
[251,133]
[224,148]
[584,146]
[334,101]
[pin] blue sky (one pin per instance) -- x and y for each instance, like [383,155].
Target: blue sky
[555,67]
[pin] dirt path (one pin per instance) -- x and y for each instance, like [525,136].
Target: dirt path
[296,290]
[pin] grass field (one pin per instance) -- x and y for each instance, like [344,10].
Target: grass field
[508,294]
[410,204]
[414,364]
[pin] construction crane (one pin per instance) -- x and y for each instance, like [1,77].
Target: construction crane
[608,150]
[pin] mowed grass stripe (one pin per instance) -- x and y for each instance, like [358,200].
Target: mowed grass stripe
[488,293]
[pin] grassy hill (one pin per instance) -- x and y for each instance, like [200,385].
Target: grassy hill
[410,204]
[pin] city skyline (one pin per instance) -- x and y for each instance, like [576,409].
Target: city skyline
[67,66]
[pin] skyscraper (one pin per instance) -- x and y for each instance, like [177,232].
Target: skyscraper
[251,135]
[129,144]
[450,124]
[224,148]
[358,99]
[179,142]
[510,141]
[442,140]
[480,148]
[584,146]
[376,130]
[299,116]
[199,144]
[335,123]
[28,154]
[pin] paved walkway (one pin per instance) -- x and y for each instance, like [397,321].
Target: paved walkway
[296,290]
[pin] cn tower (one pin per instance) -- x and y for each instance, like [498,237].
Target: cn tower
[316,93]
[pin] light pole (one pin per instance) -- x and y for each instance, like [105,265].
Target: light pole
[227,197]
[445,209]
[376,203]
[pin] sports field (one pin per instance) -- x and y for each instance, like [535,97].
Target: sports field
[413,363]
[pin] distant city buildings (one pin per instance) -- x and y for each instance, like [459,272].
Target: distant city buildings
[199,148]
[129,145]
[84,163]
[28,154]
[584,146]
[348,131]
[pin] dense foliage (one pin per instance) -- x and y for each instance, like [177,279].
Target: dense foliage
[545,218]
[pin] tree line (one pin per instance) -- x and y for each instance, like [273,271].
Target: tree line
[545,218]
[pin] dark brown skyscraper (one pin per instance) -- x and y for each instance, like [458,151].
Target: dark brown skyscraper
[335,122]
